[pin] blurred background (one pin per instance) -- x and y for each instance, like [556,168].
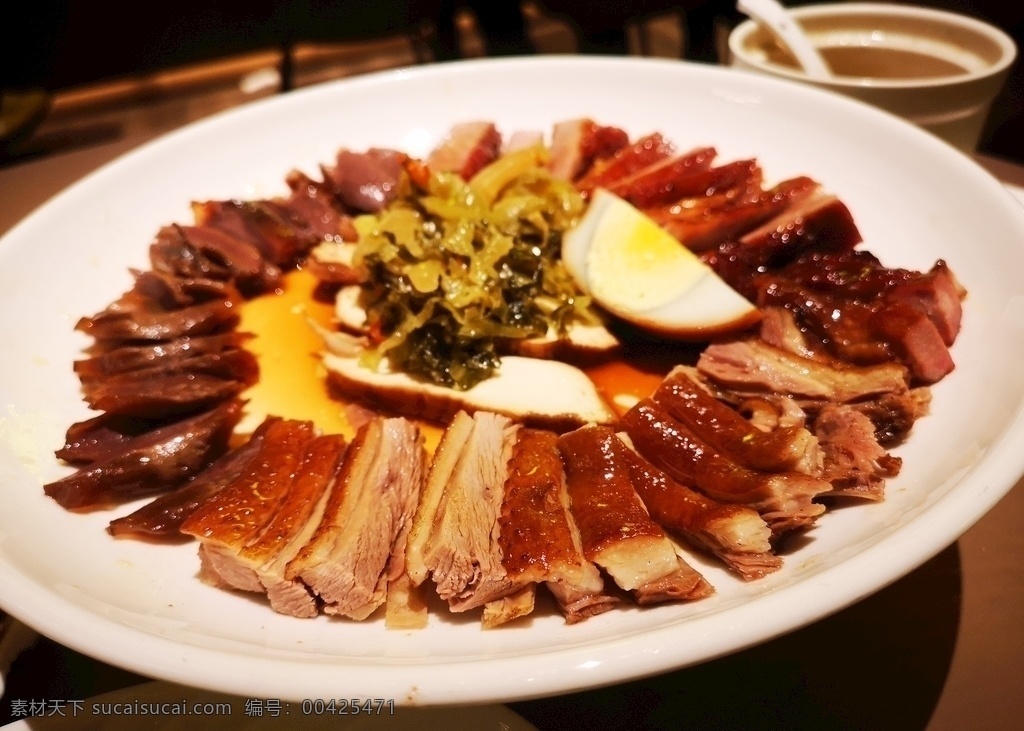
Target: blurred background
[71,69]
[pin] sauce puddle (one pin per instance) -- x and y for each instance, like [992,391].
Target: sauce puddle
[293,382]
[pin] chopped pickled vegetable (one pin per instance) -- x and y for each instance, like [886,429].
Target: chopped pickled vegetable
[455,268]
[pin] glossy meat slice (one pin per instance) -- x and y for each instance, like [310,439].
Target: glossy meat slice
[141,323]
[260,224]
[704,222]
[467,149]
[160,395]
[736,534]
[179,352]
[297,517]
[154,461]
[755,366]
[359,547]
[616,530]
[627,161]
[784,499]
[161,519]
[102,436]
[539,539]
[687,176]
[322,215]
[455,534]
[576,145]
[792,448]
[368,181]
[239,514]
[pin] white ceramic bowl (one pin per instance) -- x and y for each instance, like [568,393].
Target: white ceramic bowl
[952,105]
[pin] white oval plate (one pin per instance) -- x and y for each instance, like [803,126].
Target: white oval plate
[142,607]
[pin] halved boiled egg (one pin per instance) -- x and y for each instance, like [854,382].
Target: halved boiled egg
[640,273]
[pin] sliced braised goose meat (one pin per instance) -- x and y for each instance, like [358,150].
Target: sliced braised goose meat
[724,428]
[101,437]
[616,530]
[174,255]
[129,358]
[113,326]
[161,519]
[297,518]
[154,461]
[685,584]
[240,512]
[245,264]
[233,364]
[577,144]
[468,148]
[171,292]
[779,329]
[258,223]
[359,546]
[754,366]
[854,462]
[455,534]
[539,539]
[366,181]
[627,161]
[160,396]
[322,215]
[784,499]
[541,393]
[736,534]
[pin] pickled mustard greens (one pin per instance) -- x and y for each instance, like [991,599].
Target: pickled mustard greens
[456,269]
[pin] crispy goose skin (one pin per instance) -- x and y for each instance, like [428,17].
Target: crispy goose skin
[298,516]
[162,518]
[736,534]
[784,499]
[347,560]
[724,428]
[456,532]
[539,539]
[241,511]
[153,461]
[617,533]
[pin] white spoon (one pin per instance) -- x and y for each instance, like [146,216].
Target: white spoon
[778,20]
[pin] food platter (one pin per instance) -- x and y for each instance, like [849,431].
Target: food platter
[141,606]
